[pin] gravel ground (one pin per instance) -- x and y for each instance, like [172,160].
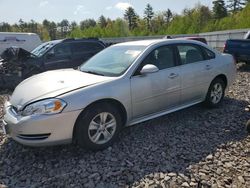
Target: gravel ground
[195,147]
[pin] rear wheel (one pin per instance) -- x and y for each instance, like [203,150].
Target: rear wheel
[98,127]
[215,93]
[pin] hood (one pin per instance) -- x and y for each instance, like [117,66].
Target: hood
[51,84]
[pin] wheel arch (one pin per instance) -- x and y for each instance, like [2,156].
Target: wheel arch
[223,78]
[111,101]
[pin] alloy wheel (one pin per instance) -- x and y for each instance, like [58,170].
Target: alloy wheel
[216,93]
[102,128]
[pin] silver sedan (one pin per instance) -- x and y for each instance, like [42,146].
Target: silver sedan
[123,85]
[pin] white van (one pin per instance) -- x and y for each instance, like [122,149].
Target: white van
[27,41]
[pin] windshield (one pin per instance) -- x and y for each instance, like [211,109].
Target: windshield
[113,61]
[42,49]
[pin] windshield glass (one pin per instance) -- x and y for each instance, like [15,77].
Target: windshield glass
[42,49]
[113,61]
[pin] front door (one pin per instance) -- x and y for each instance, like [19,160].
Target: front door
[58,57]
[155,92]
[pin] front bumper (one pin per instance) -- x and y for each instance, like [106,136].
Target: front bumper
[40,130]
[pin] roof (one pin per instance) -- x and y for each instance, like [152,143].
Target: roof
[140,42]
[16,33]
[148,43]
[154,41]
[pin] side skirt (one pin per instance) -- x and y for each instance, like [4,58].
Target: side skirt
[161,113]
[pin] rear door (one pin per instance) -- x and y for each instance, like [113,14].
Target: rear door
[196,72]
[58,57]
[82,51]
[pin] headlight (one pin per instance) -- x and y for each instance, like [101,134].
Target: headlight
[48,106]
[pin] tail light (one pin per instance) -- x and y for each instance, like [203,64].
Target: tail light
[224,48]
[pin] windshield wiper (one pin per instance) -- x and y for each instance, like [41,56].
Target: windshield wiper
[92,72]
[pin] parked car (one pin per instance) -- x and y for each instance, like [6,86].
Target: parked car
[66,53]
[27,41]
[248,122]
[201,39]
[18,64]
[248,126]
[239,48]
[247,35]
[123,85]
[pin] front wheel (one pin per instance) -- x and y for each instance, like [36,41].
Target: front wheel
[98,127]
[215,93]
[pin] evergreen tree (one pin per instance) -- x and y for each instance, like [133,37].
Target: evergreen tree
[32,26]
[73,25]
[236,5]
[168,15]
[148,15]
[5,27]
[131,16]
[102,21]
[64,28]
[21,25]
[46,24]
[52,30]
[219,9]
[85,24]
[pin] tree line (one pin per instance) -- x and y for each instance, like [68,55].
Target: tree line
[230,14]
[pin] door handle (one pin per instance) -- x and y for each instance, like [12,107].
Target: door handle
[173,75]
[208,67]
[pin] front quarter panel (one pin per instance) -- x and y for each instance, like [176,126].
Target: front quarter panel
[118,89]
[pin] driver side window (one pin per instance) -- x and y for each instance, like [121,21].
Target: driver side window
[162,57]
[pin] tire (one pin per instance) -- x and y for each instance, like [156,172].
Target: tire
[215,93]
[248,126]
[98,127]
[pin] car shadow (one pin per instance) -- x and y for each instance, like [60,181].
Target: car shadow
[243,67]
[170,143]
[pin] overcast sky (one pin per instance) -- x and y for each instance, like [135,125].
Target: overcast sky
[56,10]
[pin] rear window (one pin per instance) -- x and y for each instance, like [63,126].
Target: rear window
[189,53]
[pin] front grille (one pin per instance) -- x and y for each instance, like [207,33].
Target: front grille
[34,136]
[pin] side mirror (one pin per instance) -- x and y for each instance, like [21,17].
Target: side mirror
[149,68]
[50,55]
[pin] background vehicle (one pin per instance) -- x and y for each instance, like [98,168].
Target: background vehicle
[123,85]
[67,53]
[247,36]
[201,39]
[248,126]
[239,48]
[27,41]
[248,122]
[18,64]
